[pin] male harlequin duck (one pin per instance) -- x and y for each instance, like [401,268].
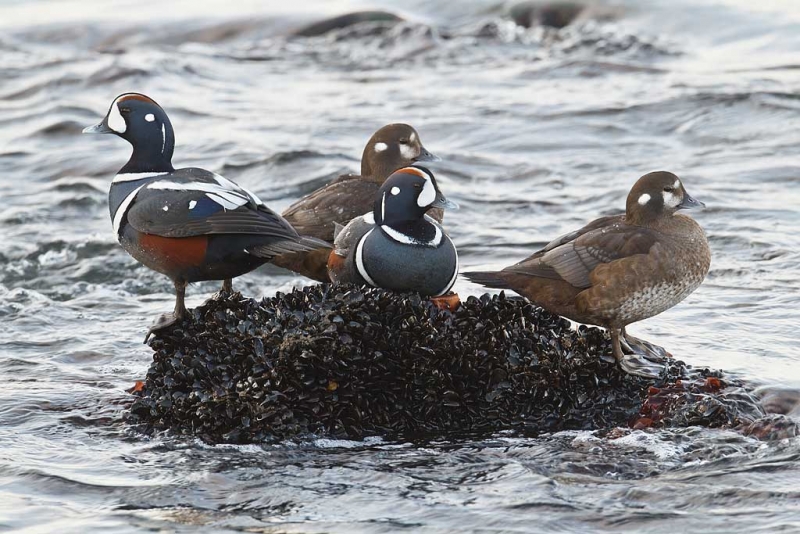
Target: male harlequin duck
[619,269]
[391,148]
[397,246]
[190,224]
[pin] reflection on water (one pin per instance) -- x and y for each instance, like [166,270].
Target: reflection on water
[540,130]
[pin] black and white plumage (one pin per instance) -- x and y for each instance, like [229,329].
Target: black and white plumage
[392,147]
[397,246]
[189,224]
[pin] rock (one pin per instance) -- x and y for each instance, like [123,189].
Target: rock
[351,362]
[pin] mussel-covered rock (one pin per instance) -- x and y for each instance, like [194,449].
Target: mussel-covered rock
[351,362]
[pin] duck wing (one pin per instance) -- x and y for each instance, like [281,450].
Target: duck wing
[339,202]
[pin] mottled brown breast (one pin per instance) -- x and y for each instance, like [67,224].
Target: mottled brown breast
[643,285]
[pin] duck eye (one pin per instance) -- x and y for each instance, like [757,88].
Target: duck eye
[668,189]
[125,111]
[403,141]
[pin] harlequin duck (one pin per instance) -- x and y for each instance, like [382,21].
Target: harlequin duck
[392,147]
[190,224]
[619,269]
[397,246]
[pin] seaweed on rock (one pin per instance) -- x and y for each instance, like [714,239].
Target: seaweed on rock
[351,362]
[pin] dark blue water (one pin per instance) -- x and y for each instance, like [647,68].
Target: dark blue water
[540,130]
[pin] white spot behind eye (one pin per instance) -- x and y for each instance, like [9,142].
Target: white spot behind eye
[149,117]
[412,137]
[644,199]
[380,147]
[115,120]
[192,204]
[677,184]
[395,191]
[163,138]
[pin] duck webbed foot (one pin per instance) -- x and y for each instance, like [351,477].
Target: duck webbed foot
[638,357]
[164,321]
[652,352]
[169,319]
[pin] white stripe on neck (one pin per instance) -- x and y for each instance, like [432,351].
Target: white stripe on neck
[133,176]
[123,209]
[360,260]
[408,240]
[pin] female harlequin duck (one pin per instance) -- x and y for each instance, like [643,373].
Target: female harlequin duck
[619,269]
[391,148]
[190,224]
[397,246]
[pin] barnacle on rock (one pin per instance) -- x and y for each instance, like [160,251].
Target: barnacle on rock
[350,362]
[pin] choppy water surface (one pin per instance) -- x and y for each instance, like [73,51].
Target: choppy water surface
[540,131]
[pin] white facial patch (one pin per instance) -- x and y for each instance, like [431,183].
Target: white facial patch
[671,199]
[428,194]
[409,152]
[395,191]
[380,147]
[149,117]
[115,120]
[644,199]
[192,204]
[412,137]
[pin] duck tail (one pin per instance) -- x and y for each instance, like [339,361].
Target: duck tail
[491,279]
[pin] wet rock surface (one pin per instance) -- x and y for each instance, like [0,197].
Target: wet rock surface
[349,362]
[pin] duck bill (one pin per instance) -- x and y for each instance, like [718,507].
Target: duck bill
[689,203]
[101,128]
[424,155]
[443,203]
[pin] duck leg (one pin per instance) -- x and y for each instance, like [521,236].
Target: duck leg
[632,361]
[650,351]
[227,285]
[169,319]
